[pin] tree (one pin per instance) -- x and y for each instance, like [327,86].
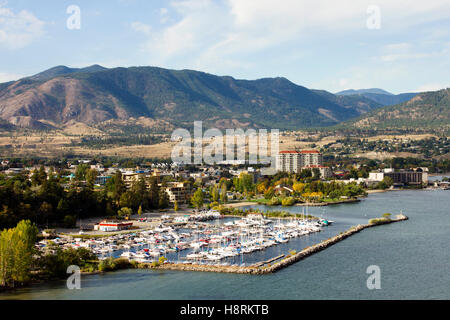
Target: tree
[269,193]
[35,181]
[197,198]
[162,259]
[262,186]
[16,253]
[316,173]
[153,194]
[116,186]
[214,194]
[42,176]
[91,176]
[305,173]
[353,173]
[223,194]
[125,213]
[80,172]
[129,199]
[69,221]
[163,199]
[139,188]
[298,187]
[388,181]
[45,210]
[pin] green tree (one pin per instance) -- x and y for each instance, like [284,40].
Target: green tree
[116,186]
[388,181]
[91,176]
[153,193]
[16,253]
[125,213]
[223,194]
[42,175]
[163,199]
[214,193]
[80,172]
[139,188]
[35,181]
[316,173]
[197,198]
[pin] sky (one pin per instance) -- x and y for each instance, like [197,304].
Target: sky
[397,45]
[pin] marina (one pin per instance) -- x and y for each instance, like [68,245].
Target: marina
[205,237]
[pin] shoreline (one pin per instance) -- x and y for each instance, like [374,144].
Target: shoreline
[303,204]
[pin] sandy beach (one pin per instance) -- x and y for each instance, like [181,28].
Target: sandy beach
[240,204]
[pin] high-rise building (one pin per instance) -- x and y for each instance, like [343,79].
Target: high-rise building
[311,158]
[294,161]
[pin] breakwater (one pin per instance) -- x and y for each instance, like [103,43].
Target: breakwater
[266,267]
[323,204]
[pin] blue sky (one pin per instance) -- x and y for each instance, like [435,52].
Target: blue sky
[318,44]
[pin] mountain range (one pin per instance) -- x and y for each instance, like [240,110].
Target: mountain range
[424,110]
[97,96]
[380,96]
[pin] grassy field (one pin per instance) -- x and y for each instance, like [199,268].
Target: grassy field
[59,143]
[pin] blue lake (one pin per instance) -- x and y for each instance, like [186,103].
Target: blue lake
[413,256]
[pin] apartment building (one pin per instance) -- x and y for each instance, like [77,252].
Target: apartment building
[179,191]
[295,161]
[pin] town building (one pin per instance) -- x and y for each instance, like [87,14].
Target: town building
[415,176]
[325,172]
[289,161]
[108,226]
[295,161]
[179,191]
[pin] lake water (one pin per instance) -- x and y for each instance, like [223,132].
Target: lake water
[413,256]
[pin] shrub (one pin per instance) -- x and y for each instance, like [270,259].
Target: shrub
[289,201]
[274,202]
[107,265]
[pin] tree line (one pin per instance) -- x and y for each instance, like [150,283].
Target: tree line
[49,199]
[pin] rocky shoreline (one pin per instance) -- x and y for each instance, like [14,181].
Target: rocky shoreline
[322,204]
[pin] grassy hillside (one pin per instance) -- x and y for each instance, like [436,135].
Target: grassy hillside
[94,95]
[428,110]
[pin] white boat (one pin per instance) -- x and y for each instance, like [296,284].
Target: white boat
[127,254]
[194,256]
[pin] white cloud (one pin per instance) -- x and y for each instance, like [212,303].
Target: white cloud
[221,30]
[18,30]
[432,87]
[141,27]
[163,13]
[6,77]
[258,38]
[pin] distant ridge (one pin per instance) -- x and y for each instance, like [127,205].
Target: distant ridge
[380,96]
[63,70]
[362,91]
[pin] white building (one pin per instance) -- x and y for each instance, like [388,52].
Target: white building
[295,161]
